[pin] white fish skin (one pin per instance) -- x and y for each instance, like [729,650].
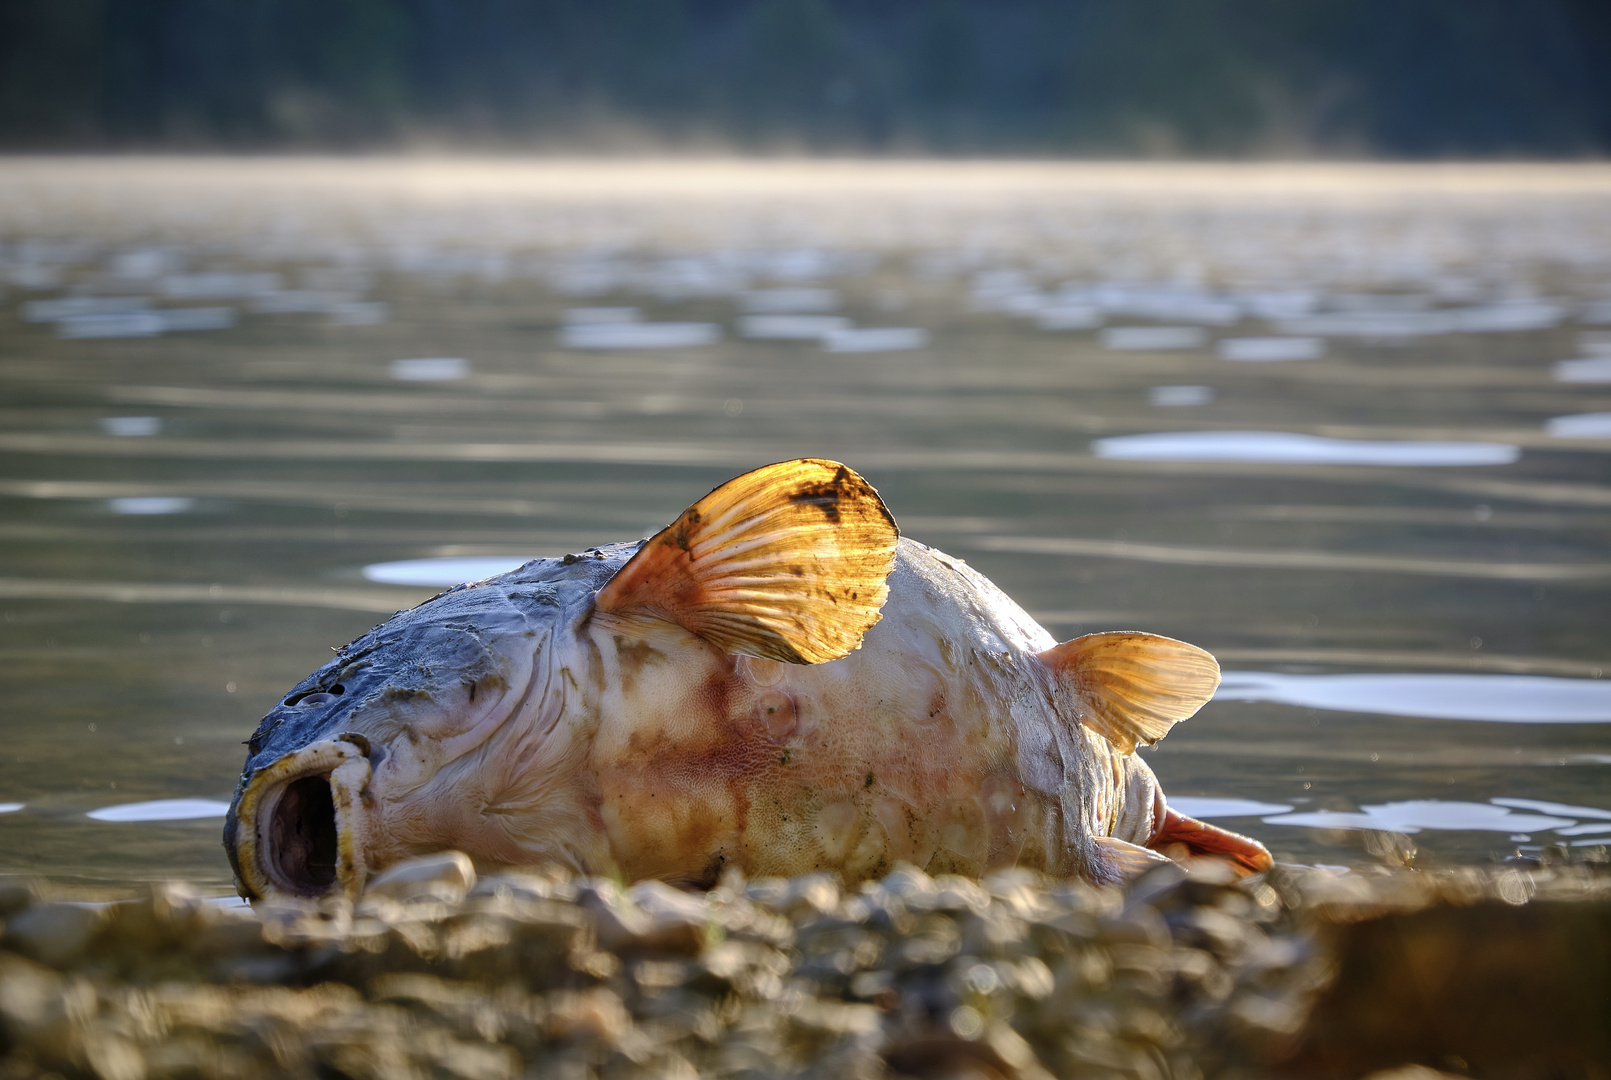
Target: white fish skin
[517,721]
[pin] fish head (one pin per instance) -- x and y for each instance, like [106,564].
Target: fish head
[467,722]
[448,726]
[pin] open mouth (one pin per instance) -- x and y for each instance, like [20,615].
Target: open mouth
[303,837]
[299,825]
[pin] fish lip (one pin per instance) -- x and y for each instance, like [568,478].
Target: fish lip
[344,763]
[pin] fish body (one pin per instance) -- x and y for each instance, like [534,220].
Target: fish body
[777,683]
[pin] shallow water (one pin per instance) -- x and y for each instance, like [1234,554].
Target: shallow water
[1392,540]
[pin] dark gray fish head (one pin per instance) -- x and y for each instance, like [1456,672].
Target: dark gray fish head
[435,729]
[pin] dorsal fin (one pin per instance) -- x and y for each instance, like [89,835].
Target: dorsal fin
[788,562]
[1134,687]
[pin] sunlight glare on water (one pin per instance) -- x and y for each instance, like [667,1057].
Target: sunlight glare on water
[1513,699]
[1287,448]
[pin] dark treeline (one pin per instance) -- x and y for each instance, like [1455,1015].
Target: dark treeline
[1403,78]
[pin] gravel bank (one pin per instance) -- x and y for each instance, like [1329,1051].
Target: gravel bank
[1190,972]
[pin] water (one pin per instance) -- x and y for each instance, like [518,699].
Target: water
[410,374]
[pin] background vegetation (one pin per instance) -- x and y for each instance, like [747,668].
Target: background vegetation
[1408,78]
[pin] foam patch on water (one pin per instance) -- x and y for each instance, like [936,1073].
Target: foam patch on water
[1594,425]
[430,369]
[162,810]
[1415,815]
[150,505]
[441,572]
[1290,448]
[1515,699]
[1270,349]
[1207,806]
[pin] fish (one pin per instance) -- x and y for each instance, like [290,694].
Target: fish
[777,683]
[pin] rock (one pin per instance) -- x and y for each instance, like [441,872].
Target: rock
[444,877]
[55,934]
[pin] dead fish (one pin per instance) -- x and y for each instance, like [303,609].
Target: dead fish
[777,682]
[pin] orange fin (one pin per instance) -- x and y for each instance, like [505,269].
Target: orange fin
[789,562]
[1201,838]
[1134,687]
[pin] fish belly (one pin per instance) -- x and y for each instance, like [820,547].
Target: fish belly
[907,750]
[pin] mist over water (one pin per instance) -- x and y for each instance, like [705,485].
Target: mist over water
[1341,425]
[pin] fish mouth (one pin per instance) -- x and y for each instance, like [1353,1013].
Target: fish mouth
[299,827]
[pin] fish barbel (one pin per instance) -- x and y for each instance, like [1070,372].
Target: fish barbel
[777,682]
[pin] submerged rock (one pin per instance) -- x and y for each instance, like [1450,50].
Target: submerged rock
[1189,972]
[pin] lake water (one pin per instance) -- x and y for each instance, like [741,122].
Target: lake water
[1343,426]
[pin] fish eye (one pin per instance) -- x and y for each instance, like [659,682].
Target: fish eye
[315,697]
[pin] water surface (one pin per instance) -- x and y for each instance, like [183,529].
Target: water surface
[1342,426]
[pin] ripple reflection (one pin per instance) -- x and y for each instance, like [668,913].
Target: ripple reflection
[1208,806]
[1414,815]
[1291,448]
[441,572]
[1515,699]
[162,810]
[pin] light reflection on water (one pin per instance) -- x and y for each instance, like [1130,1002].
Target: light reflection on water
[1515,699]
[1288,448]
[945,331]
[430,369]
[1414,815]
[148,505]
[161,810]
[441,572]
[1207,807]
[1580,426]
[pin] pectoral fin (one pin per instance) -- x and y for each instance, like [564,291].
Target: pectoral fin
[1133,687]
[788,562]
